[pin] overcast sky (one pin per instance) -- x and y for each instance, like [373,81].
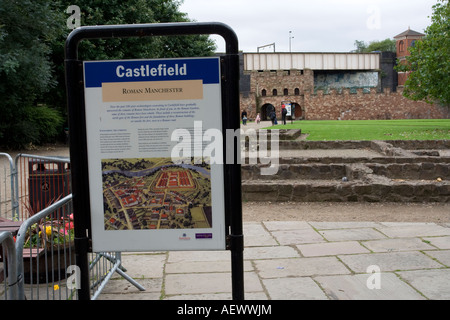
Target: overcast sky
[317,26]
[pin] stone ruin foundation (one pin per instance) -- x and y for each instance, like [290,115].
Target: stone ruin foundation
[353,171]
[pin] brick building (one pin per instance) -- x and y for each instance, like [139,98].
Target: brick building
[330,86]
[404,41]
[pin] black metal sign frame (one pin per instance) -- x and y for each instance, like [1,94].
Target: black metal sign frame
[78,140]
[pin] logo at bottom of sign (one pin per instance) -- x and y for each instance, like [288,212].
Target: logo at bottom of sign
[184,237]
[203,236]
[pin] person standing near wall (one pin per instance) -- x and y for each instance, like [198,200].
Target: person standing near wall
[283,113]
[244,117]
[273,117]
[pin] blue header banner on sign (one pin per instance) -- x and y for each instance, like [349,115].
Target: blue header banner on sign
[98,72]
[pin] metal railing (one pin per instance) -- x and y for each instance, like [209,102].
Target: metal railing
[41,262]
[40,181]
[102,267]
[9,272]
[8,203]
[58,261]
[45,250]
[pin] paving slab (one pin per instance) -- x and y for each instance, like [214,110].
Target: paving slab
[404,224]
[286,225]
[197,283]
[203,266]
[434,284]
[439,242]
[256,235]
[208,283]
[354,287]
[184,256]
[331,248]
[277,252]
[129,296]
[443,256]
[389,261]
[299,267]
[415,230]
[398,244]
[287,237]
[122,286]
[154,265]
[351,234]
[344,225]
[217,296]
[206,296]
[302,288]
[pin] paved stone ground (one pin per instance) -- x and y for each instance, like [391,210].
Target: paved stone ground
[301,261]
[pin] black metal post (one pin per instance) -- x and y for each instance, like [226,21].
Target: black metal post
[79,173]
[232,173]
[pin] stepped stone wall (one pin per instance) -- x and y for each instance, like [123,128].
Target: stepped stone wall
[396,175]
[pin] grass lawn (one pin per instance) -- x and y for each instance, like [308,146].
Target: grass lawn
[372,129]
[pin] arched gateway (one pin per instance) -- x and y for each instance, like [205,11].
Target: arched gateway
[266,109]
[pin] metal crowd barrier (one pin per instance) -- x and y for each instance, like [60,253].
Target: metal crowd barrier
[8,205]
[102,267]
[8,253]
[59,261]
[44,265]
[44,247]
[40,181]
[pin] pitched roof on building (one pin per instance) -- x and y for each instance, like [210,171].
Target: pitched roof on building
[409,33]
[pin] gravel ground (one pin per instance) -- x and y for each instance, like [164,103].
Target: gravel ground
[346,211]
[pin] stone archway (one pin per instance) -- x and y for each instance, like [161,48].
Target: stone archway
[266,109]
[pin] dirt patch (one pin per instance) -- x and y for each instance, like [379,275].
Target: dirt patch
[346,211]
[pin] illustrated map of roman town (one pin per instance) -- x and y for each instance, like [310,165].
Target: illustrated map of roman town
[156,193]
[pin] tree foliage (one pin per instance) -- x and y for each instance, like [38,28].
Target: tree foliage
[384,45]
[429,61]
[111,12]
[26,29]
[32,38]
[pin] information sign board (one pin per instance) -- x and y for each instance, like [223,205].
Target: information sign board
[152,185]
[287,105]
